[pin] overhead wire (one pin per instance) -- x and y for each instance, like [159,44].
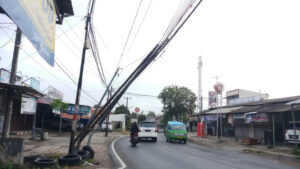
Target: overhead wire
[9,41]
[113,100]
[94,51]
[50,73]
[128,36]
[78,55]
[139,27]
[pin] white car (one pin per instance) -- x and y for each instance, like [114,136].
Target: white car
[290,135]
[103,126]
[148,130]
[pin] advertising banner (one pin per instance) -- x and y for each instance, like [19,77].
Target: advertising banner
[28,105]
[212,96]
[37,21]
[256,117]
[82,109]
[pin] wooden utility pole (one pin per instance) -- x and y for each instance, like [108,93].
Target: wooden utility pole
[12,80]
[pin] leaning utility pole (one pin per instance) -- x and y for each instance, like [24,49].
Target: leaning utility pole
[12,80]
[76,110]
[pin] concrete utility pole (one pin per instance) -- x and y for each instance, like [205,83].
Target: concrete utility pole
[85,47]
[200,103]
[127,101]
[12,80]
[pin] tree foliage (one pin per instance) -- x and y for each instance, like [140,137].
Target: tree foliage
[122,110]
[177,102]
[151,114]
[141,117]
[58,104]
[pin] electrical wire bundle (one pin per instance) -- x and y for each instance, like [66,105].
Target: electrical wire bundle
[183,13]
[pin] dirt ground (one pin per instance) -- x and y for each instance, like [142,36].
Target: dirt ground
[56,146]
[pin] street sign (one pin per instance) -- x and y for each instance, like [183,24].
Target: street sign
[137,109]
[219,87]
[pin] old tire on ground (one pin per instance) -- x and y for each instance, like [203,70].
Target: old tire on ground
[90,151]
[70,159]
[84,154]
[45,162]
[30,159]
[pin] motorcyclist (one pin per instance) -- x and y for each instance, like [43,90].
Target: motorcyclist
[134,128]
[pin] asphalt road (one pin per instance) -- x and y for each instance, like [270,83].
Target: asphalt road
[164,155]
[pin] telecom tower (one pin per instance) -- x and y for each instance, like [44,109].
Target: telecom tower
[200,103]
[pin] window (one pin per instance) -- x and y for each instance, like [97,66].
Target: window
[178,127]
[147,124]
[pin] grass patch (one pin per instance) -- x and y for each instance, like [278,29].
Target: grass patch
[296,152]
[8,165]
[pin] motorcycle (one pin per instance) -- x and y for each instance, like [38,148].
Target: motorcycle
[134,139]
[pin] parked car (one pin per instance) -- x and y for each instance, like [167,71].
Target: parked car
[109,127]
[176,131]
[290,135]
[148,130]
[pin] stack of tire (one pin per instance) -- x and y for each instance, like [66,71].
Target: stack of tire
[67,160]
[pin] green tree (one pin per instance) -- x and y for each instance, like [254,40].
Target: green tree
[122,110]
[141,117]
[59,105]
[177,102]
[151,114]
[133,115]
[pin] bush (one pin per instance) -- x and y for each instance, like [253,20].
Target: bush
[296,151]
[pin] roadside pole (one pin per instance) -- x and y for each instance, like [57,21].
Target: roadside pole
[85,47]
[12,79]
[221,118]
[294,126]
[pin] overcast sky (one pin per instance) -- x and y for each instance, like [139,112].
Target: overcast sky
[252,45]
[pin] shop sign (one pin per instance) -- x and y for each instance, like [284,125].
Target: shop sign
[256,117]
[82,109]
[45,100]
[28,105]
[212,96]
[54,93]
[35,84]
[238,116]
[210,117]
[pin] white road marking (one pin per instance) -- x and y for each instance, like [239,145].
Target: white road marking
[118,157]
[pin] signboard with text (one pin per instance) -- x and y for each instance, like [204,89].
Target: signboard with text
[28,105]
[54,93]
[212,98]
[256,117]
[37,21]
[35,84]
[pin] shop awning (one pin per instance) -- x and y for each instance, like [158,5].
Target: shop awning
[223,110]
[19,90]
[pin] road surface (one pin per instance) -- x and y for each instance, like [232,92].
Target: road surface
[164,155]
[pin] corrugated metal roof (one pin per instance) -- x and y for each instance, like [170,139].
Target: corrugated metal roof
[223,110]
[20,89]
[246,109]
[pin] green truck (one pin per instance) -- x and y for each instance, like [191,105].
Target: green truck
[176,131]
